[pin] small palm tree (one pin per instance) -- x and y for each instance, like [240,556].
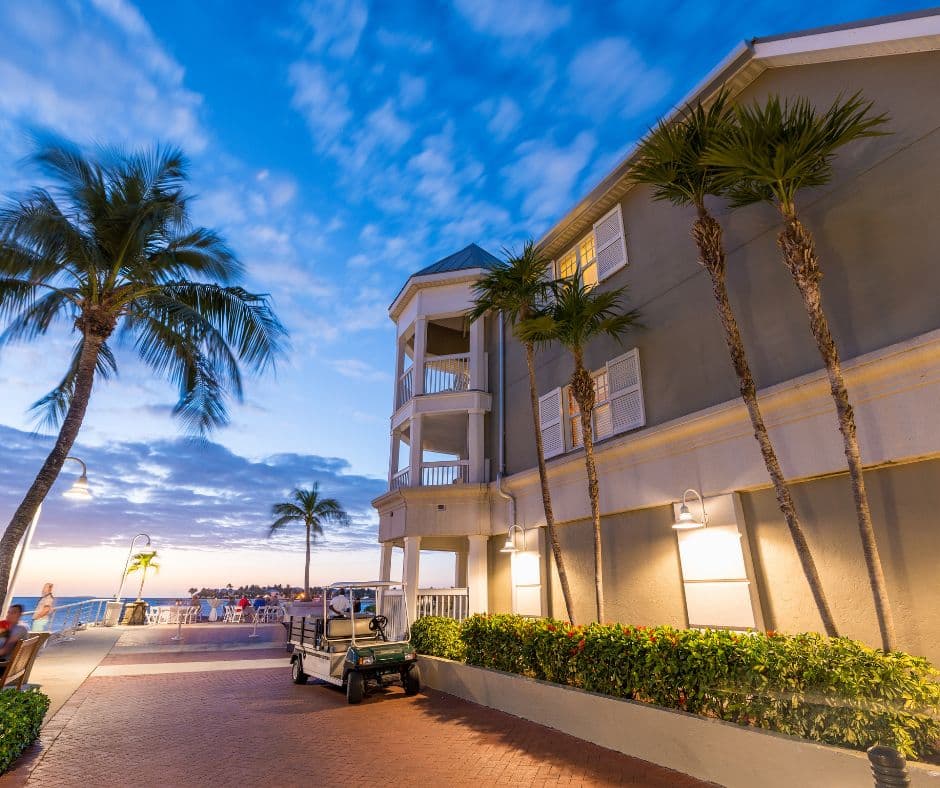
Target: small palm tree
[307,506]
[515,290]
[576,315]
[770,154]
[142,562]
[113,254]
[670,160]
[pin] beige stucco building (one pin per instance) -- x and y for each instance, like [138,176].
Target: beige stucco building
[670,417]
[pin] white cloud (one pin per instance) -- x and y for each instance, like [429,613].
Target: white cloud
[546,174]
[514,18]
[321,99]
[359,370]
[610,77]
[411,90]
[396,39]
[504,116]
[336,25]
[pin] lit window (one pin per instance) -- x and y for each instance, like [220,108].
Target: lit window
[603,424]
[580,261]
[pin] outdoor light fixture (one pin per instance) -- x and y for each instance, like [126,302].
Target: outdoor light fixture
[510,546]
[686,520]
[79,491]
[127,563]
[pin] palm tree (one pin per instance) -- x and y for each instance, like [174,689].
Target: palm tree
[770,154]
[670,160]
[307,506]
[113,251]
[142,563]
[575,315]
[516,289]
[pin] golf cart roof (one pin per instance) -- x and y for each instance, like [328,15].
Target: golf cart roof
[367,584]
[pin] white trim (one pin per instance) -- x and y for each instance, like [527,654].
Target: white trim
[630,397]
[550,419]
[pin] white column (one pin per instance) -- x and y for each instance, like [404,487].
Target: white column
[385,572]
[477,342]
[410,574]
[475,445]
[393,457]
[460,569]
[414,457]
[421,342]
[399,369]
[477,576]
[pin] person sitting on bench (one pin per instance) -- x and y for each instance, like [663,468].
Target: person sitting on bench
[12,633]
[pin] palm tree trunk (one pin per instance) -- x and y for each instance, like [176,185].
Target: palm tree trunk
[582,386]
[799,255]
[708,237]
[84,380]
[307,566]
[143,576]
[543,479]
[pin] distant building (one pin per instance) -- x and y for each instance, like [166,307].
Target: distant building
[669,416]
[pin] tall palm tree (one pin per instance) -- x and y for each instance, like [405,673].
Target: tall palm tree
[307,506]
[770,154]
[670,160]
[142,563]
[112,251]
[515,289]
[576,315]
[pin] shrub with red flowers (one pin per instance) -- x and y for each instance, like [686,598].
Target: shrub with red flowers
[831,690]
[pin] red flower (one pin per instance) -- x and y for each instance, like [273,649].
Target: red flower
[550,627]
[581,644]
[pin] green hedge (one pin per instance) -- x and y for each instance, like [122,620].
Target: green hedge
[831,690]
[21,715]
[438,637]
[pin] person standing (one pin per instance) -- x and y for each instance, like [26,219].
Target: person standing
[43,612]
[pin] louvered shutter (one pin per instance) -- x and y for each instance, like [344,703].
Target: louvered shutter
[553,442]
[626,392]
[610,247]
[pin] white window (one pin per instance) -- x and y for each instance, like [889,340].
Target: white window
[618,405]
[610,246]
[553,440]
[579,261]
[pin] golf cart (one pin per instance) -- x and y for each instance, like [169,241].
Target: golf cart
[341,644]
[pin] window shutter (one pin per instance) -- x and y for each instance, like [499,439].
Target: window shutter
[610,246]
[553,442]
[626,392]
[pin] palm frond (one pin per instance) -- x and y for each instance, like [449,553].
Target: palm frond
[515,288]
[775,149]
[50,409]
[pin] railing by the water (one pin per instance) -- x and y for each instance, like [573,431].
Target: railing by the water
[65,620]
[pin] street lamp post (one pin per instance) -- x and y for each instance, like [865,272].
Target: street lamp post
[127,563]
[78,491]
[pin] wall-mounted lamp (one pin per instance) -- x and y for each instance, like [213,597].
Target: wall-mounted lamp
[686,520]
[510,546]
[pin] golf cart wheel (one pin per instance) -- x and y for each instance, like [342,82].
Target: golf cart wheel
[411,679]
[355,687]
[297,671]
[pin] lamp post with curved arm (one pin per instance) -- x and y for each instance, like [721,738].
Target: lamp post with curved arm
[79,491]
[127,563]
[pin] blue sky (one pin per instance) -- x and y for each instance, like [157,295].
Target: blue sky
[338,146]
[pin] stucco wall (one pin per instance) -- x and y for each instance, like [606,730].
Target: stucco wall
[643,582]
[500,577]
[878,242]
[905,500]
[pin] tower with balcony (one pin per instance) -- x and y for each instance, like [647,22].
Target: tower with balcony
[439,470]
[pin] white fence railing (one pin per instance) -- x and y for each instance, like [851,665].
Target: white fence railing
[445,472]
[446,602]
[447,373]
[392,606]
[401,479]
[405,387]
[65,620]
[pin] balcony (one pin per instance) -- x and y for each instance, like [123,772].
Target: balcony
[442,374]
[434,474]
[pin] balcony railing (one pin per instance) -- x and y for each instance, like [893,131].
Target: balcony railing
[401,479]
[446,602]
[405,387]
[445,472]
[447,373]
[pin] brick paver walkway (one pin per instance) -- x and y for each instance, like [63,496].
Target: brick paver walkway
[254,727]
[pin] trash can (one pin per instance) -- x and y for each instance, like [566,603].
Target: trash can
[112,613]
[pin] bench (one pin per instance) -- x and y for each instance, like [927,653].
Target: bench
[341,628]
[17,668]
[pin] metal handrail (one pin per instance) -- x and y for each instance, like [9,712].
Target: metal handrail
[65,620]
